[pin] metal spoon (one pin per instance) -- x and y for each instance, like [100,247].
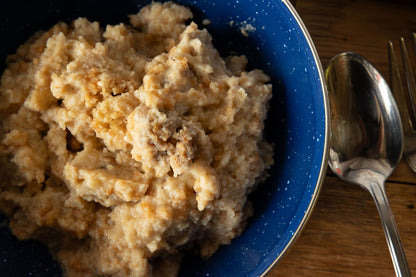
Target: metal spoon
[367,137]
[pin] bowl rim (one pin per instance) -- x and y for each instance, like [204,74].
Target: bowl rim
[324,162]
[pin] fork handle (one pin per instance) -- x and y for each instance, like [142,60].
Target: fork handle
[377,191]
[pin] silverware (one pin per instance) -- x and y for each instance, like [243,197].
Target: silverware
[367,138]
[405,99]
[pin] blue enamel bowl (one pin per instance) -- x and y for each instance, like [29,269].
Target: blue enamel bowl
[297,122]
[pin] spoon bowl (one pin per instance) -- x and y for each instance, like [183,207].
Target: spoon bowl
[367,138]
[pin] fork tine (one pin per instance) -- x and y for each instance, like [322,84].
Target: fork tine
[410,82]
[414,43]
[398,90]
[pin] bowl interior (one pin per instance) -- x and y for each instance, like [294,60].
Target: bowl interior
[296,124]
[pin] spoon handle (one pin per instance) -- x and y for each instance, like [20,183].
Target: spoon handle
[398,256]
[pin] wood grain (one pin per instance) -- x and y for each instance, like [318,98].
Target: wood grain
[344,236]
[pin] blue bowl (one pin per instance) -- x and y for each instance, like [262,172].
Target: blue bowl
[297,122]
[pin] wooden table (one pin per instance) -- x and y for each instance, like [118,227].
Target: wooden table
[344,236]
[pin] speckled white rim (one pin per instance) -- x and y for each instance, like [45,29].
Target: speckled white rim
[324,163]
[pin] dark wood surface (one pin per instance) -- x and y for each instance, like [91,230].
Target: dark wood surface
[344,236]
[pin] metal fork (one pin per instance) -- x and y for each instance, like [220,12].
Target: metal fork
[405,99]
